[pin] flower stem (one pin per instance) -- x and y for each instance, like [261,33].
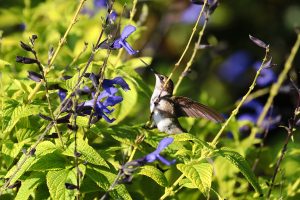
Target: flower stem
[236,110]
[60,44]
[189,42]
[190,62]
[169,190]
[132,13]
[276,86]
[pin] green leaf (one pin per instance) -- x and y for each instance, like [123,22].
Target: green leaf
[29,185]
[104,179]
[15,111]
[71,83]
[239,161]
[43,148]
[132,75]
[88,153]
[155,174]
[51,161]
[200,175]
[10,151]
[56,183]
[128,103]
[4,63]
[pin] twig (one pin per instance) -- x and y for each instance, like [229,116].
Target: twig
[236,110]
[290,132]
[60,44]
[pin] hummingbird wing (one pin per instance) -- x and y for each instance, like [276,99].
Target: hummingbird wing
[189,108]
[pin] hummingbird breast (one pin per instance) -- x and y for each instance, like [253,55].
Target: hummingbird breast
[165,118]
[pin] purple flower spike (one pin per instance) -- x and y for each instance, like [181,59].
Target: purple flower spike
[155,154]
[62,94]
[121,42]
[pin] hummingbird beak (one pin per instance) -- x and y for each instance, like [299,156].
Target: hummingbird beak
[153,71]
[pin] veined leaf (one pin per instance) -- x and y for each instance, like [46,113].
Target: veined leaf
[10,151]
[42,149]
[56,183]
[29,185]
[51,161]
[128,103]
[154,174]
[200,175]
[239,161]
[88,153]
[104,179]
[15,111]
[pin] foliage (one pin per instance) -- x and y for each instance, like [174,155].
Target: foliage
[75,98]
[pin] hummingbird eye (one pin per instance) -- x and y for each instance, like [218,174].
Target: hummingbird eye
[161,78]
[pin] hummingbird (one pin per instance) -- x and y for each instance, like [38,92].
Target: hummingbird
[166,108]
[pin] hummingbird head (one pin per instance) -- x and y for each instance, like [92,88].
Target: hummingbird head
[161,81]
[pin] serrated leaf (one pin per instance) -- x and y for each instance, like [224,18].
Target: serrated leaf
[42,149]
[138,62]
[132,75]
[87,152]
[71,83]
[104,179]
[10,151]
[56,183]
[51,161]
[239,161]
[154,174]
[200,175]
[29,185]
[4,63]
[15,111]
[128,103]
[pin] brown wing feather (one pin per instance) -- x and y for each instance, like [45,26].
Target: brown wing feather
[189,108]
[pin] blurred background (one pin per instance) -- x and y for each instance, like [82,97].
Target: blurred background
[220,74]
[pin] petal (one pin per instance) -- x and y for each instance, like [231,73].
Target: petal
[151,157]
[165,161]
[116,44]
[112,100]
[254,105]
[247,117]
[108,119]
[233,67]
[62,94]
[121,82]
[128,48]
[127,31]
[164,143]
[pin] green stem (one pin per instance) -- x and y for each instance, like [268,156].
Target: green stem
[190,62]
[276,86]
[132,13]
[60,44]
[169,190]
[189,42]
[236,110]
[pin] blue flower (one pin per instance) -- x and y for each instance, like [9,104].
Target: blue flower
[122,43]
[234,66]
[190,15]
[155,154]
[267,75]
[256,107]
[109,96]
[62,94]
[100,3]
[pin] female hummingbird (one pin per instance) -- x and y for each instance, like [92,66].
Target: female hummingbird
[166,108]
